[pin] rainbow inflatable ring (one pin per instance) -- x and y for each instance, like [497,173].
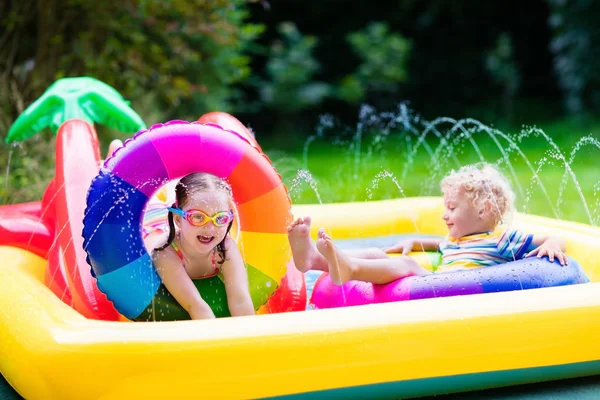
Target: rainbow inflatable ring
[118,196]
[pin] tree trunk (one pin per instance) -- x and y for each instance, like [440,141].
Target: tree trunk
[47,43]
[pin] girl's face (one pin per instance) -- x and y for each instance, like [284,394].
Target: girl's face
[461,216]
[204,238]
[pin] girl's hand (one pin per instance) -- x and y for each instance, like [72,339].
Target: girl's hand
[404,246]
[550,248]
[201,310]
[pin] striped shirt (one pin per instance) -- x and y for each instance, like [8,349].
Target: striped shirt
[484,249]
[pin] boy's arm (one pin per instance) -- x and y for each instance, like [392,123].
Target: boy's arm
[551,246]
[539,240]
[416,244]
[428,244]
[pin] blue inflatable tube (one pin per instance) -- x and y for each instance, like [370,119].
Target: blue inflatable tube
[524,274]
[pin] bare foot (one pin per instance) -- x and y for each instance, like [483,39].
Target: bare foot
[303,250]
[340,265]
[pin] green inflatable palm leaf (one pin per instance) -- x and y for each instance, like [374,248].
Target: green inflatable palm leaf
[68,98]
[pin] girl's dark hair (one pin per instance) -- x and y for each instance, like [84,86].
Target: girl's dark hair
[187,187]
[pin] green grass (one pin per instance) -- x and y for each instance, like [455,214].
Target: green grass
[338,177]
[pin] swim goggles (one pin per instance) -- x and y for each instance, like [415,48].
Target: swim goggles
[200,218]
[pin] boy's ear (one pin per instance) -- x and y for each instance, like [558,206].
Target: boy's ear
[486,210]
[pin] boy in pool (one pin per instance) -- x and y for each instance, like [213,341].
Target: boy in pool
[476,200]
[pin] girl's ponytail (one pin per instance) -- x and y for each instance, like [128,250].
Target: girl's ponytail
[171,231]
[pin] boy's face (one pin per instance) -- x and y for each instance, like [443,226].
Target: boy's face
[461,217]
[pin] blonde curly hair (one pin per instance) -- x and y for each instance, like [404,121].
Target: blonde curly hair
[483,184]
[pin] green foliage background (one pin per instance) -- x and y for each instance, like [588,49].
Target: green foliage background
[280,67]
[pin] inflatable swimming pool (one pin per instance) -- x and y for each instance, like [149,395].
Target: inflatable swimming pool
[401,349]
[62,338]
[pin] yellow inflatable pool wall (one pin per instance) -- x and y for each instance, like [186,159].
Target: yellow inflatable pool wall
[399,350]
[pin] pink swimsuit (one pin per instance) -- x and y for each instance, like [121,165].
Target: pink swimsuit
[214,261]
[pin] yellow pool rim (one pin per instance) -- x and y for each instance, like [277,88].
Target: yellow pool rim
[49,351]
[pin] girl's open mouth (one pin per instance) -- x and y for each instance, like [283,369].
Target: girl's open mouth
[205,239]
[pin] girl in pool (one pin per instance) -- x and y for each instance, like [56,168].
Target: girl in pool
[201,247]
[476,198]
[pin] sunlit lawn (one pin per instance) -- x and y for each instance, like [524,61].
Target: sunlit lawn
[341,174]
